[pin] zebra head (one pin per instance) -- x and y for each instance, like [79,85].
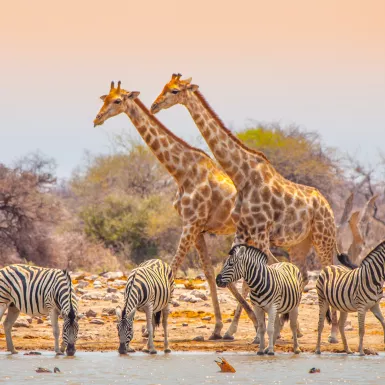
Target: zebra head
[70,319]
[70,331]
[125,329]
[232,268]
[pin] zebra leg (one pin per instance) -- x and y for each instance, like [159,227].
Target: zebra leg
[10,319]
[323,308]
[341,325]
[361,330]
[272,313]
[260,313]
[293,317]
[150,344]
[333,338]
[54,317]
[378,314]
[277,328]
[165,313]
[208,269]
[3,308]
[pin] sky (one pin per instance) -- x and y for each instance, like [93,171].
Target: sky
[319,64]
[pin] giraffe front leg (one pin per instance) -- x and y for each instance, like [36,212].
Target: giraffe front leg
[209,273]
[10,319]
[149,318]
[54,317]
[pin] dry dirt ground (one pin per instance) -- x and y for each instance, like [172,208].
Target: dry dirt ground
[190,317]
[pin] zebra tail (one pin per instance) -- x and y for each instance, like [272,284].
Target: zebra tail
[328,316]
[157,318]
[284,318]
[344,260]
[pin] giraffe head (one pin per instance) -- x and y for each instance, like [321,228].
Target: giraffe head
[174,92]
[114,103]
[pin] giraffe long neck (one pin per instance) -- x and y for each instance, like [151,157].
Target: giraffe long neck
[235,158]
[171,151]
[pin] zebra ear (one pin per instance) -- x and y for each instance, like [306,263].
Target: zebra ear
[242,249]
[118,312]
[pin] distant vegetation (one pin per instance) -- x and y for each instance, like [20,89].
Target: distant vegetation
[116,211]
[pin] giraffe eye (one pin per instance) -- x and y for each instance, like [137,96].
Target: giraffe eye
[117,101]
[175,92]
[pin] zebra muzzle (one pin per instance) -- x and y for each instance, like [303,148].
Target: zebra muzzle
[122,348]
[70,350]
[219,281]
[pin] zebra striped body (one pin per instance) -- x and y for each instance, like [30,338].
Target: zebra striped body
[275,289]
[39,291]
[149,289]
[357,290]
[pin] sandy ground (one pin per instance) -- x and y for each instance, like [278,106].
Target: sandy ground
[98,332]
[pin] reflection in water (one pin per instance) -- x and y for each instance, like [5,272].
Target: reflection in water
[191,368]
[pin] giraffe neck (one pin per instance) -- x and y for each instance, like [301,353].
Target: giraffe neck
[236,159]
[171,151]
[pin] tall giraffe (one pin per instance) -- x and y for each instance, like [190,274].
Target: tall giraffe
[269,209]
[205,194]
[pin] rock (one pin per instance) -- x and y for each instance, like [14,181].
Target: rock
[229,320]
[94,296]
[207,318]
[370,352]
[201,327]
[81,291]
[110,297]
[29,320]
[175,303]
[348,326]
[112,275]
[179,286]
[201,277]
[115,301]
[199,294]
[110,311]
[174,328]
[199,338]
[90,313]
[82,284]
[118,283]
[184,324]
[21,323]
[97,321]
[39,321]
[111,290]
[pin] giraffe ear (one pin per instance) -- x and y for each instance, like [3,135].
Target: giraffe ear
[133,95]
[103,97]
[192,87]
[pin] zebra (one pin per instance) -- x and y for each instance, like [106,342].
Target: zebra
[274,289]
[149,289]
[350,288]
[39,291]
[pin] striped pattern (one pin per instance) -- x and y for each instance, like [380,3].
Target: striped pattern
[39,291]
[149,289]
[352,290]
[275,289]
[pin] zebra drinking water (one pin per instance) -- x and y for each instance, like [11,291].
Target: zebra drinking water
[149,289]
[274,289]
[352,289]
[39,291]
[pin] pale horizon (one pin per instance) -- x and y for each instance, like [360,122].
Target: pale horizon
[320,65]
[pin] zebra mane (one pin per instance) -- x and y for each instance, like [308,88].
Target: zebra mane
[128,294]
[71,313]
[252,250]
[380,248]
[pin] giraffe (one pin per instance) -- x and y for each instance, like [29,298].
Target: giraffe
[205,193]
[268,209]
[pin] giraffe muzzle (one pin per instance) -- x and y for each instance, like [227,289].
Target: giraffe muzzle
[155,108]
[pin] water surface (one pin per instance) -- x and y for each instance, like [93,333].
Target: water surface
[191,368]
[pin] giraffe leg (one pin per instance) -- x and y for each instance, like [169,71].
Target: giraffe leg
[10,319]
[209,273]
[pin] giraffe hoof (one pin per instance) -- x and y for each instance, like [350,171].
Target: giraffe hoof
[215,336]
[227,337]
[332,340]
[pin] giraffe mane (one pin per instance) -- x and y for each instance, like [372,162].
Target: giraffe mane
[164,128]
[228,132]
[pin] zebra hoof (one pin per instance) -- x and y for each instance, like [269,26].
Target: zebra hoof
[59,353]
[270,353]
[227,337]
[256,341]
[153,352]
[260,353]
[131,350]
[349,352]
[297,351]
[215,337]
[318,351]
[332,340]
[167,350]
[14,352]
